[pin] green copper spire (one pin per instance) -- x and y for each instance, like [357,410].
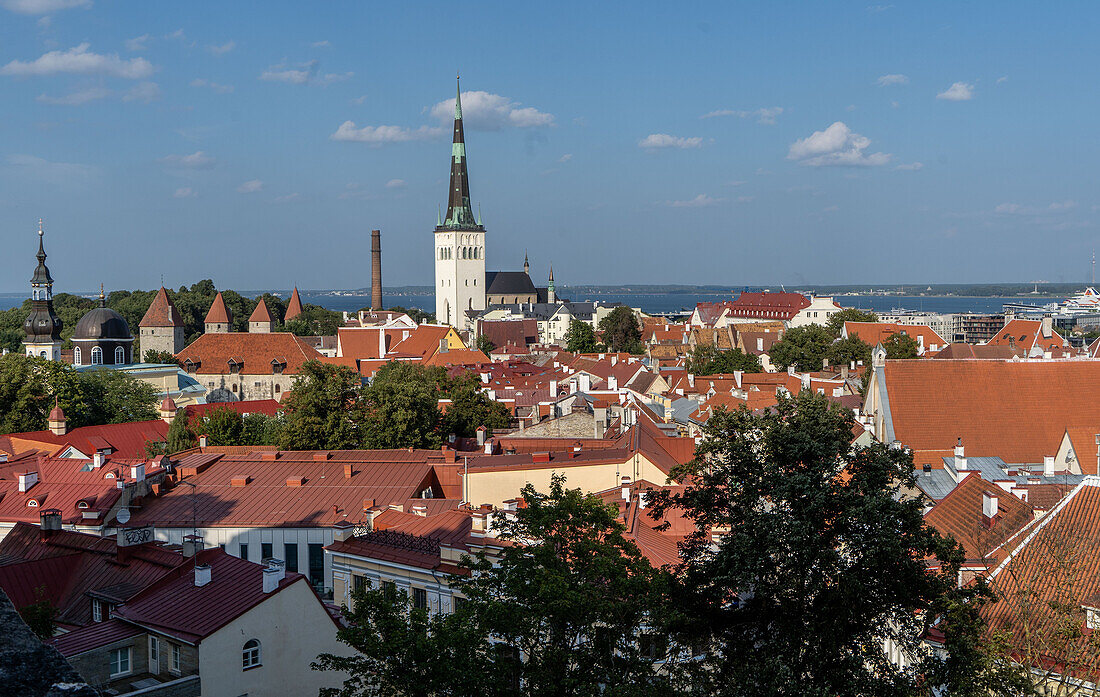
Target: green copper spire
[460,213]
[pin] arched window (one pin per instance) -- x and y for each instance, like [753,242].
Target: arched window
[250,654]
[76,355]
[97,356]
[120,355]
[42,354]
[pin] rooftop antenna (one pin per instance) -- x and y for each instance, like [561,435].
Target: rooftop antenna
[1093,269]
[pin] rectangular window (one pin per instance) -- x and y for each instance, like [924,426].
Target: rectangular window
[317,564]
[97,610]
[176,651]
[358,583]
[244,551]
[458,603]
[120,662]
[420,598]
[266,551]
[154,649]
[290,552]
[389,588]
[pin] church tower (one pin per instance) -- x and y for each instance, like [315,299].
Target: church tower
[459,243]
[42,327]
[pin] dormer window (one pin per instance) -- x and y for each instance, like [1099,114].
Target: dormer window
[235,365]
[191,365]
[32,503]
[278,365]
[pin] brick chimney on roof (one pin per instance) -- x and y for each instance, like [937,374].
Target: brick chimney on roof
[376,269]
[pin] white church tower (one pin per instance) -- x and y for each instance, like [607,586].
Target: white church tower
[459,243]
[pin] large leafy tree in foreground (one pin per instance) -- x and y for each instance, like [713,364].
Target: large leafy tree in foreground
[820,559]
[573,608]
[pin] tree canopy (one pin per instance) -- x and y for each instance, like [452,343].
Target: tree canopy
[709,360]
[803,347]
[849,314]
[581,338]
[823,559]
[900,346]
[621,332]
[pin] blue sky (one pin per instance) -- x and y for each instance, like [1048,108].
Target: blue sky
[736,143]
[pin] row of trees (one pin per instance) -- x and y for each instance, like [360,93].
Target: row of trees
[619,330]
[808,347]
[806,560]
[328,408]
[192,303]
[29,385]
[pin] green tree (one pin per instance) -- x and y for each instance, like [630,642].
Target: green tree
[845,351]
[152,356]
[111,397]
[803,347]
[581,338]
[575,598]
[621,331]
[223,426]
[181,436]
[315,321]
[835,325]
[11,340]
[261,429]
[321,409]
[400,407]
[484,345]
[708,360]
[900,346]
[27,387]
[40,615]
[823,558]
[470,407]
[406,651]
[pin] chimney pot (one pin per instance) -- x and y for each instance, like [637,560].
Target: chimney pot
[989,507]
[1048,466]
[273,573]
[347,470]
[202,575]
[192,545]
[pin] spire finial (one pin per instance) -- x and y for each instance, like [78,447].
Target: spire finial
[102,297]
[479,212]
[39,227]
[458,97]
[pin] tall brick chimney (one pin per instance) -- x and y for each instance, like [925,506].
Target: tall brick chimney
[376,269]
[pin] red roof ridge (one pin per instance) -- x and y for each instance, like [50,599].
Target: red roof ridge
[218,313]
[261,313]
[161,312]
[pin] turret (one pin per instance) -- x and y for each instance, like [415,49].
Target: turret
[219,319]
[42,326]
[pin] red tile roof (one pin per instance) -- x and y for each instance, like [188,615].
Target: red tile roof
[1016,410]
[219,313]
[126,439]
[874,333]
[261,313]
[176,606]
[1027,333]
[267,407]
[294,307]
[326,495]
[768,305]
[959,515]
[161,312]
[212,353]
[1002,352]
[423,342]
[467,357]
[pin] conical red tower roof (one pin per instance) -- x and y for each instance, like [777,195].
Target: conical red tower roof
[219,313]
[294,308]
[161,312]
[261,313]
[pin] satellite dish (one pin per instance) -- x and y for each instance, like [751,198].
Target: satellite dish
[123,516]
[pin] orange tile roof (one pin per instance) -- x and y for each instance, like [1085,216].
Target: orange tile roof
[879,332]
[256,351]
[294,307]
[1016,410]
[959,515]
[161,312]
[1027,333]
[983,351]
[219,313]
[458,357]
[423,341]
[768,305]
[261,313]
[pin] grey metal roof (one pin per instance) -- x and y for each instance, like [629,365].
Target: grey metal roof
[509,283]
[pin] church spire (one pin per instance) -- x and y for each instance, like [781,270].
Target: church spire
[460,214]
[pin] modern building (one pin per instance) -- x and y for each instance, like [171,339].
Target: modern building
[42,327]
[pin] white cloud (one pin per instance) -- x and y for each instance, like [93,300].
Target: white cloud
[223,49]
[378,135]
[736,182]
[837,146]
[746,199]
[875,9]
[830,209]
[359,100]
[283,199]
[958,92]
[56,172]
[892,79]
[663,140]
[483,111]
[566,157]
[79,61]
[41,7]
[138,43]
[699,201]
[142,92]
[320,44]
[766,115]
[910,167]
[217,87]
[196,160]
[1062,205]
[250,187]
[183,192]
[1010,208]
[76,98]
[44,22]
[1003,79]
[396,184]
[302,74]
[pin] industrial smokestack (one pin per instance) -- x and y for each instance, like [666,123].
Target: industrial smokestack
[376,269]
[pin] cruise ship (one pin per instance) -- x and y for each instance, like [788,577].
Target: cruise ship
[1085,302]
